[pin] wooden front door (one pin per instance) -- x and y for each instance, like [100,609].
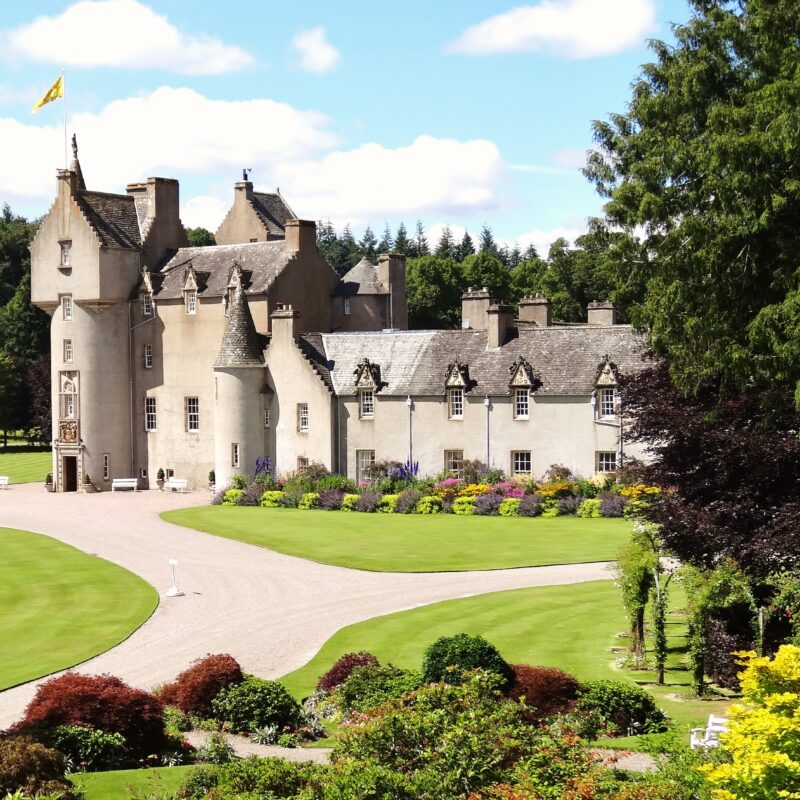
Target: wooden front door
[70,474]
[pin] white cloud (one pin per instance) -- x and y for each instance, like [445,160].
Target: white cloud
[205,211]
[570,158]
[121,33]
[316,53]
[570,28]
[434,233]
[429,177]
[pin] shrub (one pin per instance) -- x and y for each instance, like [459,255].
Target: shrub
[628,708]
[368,502]
[488,505]
[265,480]
[309,500]
[292,497]
[32,768]
[449,657]
[724,640]
[272,499]
[338,482]
[175,721]
[251,496]
[509,507]
[195,688]
[330,499]
[87,749]
[381,470]
[254,777]
[568,505]
[464,506]
[429,504]
[388,504]
[216,750]
[298,485]
[198,783]
[342,667]
[349,502]
[509,489]
[612,505]
[530,506]
[590,508]
[407,501]
[238,482]
[219,497]
[546,689]
[99,701]
[372,685]
[587,488]
[231,497]
[254,703]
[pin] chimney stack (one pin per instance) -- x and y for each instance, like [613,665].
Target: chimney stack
[538,310]
[284,325]
[474,305]
[392,274]
[300,235]
[500,318]
[601,313]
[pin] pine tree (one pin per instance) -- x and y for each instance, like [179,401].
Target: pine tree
[446,247]
[402,244]
[367,247]
[419,242]
[386,244]
[487,244]
[348,249]
[466,248]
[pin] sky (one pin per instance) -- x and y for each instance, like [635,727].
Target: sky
[457,112]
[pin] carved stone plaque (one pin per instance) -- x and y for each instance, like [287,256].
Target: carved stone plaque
[68,432]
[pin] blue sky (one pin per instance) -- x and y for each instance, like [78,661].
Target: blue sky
[453,112]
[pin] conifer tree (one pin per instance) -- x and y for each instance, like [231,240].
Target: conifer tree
[386,244]
[465,248]
[446,247]
[368,245]
[486,242]
[419,242]
[402,244]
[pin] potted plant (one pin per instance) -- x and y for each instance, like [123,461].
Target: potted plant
[212,480]
[86,486]
[160,478]
[48,482]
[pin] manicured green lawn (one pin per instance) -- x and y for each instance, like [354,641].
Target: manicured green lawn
[25,464]
[571,627]
[60,606]
[160,782]
[412,542]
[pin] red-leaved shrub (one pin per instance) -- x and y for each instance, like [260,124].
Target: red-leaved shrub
[195,688]
[341,670]
[32,768]
[98,701]
[546,690]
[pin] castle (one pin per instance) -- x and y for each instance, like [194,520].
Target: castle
[198,358]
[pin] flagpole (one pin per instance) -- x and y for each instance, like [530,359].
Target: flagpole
[64,97]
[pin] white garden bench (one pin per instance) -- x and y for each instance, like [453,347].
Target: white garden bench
[124,483]
[177,484]
[4,481]
[709,736]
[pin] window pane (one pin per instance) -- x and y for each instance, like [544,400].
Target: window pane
[302,416]
[521,462]
[607,461]
[455,398]
[364,459]
[148,356]
[607,402]
[453,459]
[521,403]
[149,413]
[367,403]
[192,414]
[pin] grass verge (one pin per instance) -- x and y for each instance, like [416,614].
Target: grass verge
[25,464]
[160,782]
[411,542]
[61,606]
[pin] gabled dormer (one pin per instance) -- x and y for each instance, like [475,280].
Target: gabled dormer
[605,397]
[457,383]
[190,287]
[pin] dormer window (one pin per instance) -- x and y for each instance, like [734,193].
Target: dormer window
[456,384]
[147,305]
[608,402]
[66,248]
[605,396]
[366,403]
[455,404]
[191,301]
[522,382]
[521,397]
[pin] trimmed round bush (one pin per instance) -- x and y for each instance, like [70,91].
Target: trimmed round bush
[612,505]
[464,506]
[87,749]
[626,707]
[272,499]
[590,508]
[330,499]
[568,505]
[368,502]
[32,768]
[546,690]
[342,667]
[373,685]
[251,496]
[530,506]
[449,657]
[194,689]
[349,502]
[509,507]
[388,504]
[429,505]
[407,501]
[309,500]
[488,505]
[338,482]
[99,701]
[255,703]
[231,497]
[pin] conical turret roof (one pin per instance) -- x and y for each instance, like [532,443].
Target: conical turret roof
[240,342]
[80,183]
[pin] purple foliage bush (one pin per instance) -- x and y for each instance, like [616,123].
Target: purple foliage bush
[568,505]
[723,643]
[368,502]
[252,496]
[330,499]
[612,505]
[407,501]
[530,506]
[219,496]
[488,505]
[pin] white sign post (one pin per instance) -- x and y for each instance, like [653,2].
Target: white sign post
[173,590]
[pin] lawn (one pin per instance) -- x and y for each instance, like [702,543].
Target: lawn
[571,627]
[159,782]
[412,542]
[60,606]
[25,464]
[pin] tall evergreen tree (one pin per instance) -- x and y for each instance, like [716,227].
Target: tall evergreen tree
[486,242]
[419,242]
[446,246]
[386,244]
[368,245]
[402,244]
[465,248]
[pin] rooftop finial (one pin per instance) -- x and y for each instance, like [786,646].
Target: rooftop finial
[74,146]
[75,167]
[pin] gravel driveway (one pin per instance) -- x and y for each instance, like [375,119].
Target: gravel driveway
[270,611]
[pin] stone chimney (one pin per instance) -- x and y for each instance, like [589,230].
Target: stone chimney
[242,192]
[500,318]
[301,235]
[162,231]
[601,313]
[474,305]
[285,326]
[538,310]
[392,274]
[66,189]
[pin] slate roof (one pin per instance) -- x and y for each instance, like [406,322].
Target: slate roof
[112,217]
[566,360]
[241,344]
[361,279]
[261,263]
[273,211]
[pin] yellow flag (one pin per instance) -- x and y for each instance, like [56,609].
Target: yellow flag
[53,93]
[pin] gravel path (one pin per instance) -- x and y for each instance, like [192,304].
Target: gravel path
[272,612]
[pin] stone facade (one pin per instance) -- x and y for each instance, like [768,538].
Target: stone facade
[190,359]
